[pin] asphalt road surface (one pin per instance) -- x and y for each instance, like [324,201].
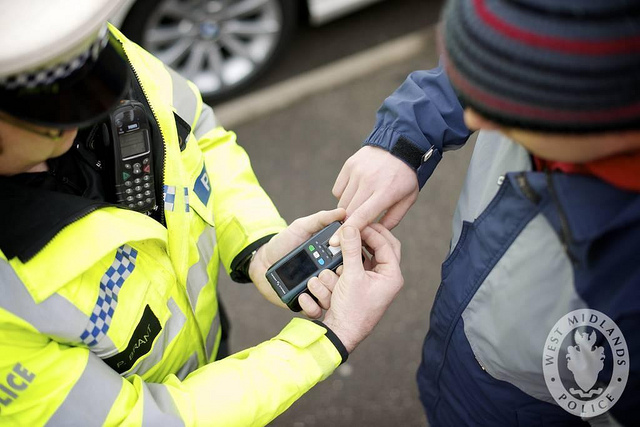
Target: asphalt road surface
[297,154]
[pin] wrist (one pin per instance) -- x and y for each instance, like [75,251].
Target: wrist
[340,332]
[257,264]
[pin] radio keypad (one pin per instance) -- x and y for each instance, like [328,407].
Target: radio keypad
[139,191]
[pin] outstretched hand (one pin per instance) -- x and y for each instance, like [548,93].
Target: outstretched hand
[371,182]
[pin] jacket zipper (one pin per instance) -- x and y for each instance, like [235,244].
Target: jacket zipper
[158,190]
[526,189]
[565,236]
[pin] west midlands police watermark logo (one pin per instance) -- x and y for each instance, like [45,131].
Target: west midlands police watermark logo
[586,363]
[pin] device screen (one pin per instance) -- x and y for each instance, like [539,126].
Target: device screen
[296,269]
[132,144]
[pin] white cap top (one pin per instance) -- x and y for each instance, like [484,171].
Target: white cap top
[34,33]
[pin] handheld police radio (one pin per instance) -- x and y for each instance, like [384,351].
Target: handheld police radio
[132,158]
[289,276]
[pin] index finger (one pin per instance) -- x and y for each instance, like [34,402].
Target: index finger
[361,217]
[382,247]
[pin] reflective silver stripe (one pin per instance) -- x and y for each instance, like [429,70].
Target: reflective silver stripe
[212,335]
[206,122]
[198,276]
[493,156]
[503,323]
[169,332]
[190,366]
[91,398]
[159,408]
[184,99]
[55,316]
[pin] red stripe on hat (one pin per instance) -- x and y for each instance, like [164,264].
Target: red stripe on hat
[527,111]
[580,47]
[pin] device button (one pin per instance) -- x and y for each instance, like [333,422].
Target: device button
[128,191]
[321,261]
[127,165]
[140,203]
[145,161]
[334,250]
[146,169]
[316,255]
[147,193]
[146,178]
[139,196]
[130,199]
[137,181]
[137,171]
[128,183]
[125,175]
[147,185]
[312,248]
[148,200]
[132,205]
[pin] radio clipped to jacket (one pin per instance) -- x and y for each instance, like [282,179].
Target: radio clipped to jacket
[132,166]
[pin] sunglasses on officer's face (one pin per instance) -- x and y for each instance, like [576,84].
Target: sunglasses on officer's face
[51,133]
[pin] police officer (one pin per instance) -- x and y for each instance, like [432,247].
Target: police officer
[108,312]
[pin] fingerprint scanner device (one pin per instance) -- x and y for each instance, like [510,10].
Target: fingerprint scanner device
[133,162]
[289,276]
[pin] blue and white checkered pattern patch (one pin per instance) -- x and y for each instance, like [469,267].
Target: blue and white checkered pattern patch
[169,197]
[110,285]
[186,199]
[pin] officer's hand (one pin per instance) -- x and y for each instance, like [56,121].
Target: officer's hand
[360,297]
[284,242]
[371,182]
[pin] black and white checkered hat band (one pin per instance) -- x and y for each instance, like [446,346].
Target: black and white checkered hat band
[47,76]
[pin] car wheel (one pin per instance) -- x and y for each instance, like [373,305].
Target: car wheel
[221,45]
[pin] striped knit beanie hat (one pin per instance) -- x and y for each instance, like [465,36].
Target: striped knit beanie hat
[547,65]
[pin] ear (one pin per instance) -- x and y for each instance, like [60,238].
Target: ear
[475,121]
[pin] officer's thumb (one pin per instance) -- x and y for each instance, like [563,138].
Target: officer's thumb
[351,246]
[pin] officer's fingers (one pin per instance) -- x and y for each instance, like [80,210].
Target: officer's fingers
[306,226]
[329,279]
[339,270]
[382,248]
[309,307]
[351,247]
[320,291]
[393,240]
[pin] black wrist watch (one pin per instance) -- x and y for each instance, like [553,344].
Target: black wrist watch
[240,264]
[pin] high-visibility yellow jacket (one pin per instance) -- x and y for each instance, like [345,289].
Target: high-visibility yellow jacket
[115,321]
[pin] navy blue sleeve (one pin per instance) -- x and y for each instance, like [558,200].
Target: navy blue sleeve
[419,121]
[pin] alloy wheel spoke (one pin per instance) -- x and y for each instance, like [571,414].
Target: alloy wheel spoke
[236,46]
[164,34]
[243,8]
[193,64]
[244,28]
[176,52]
[214,57]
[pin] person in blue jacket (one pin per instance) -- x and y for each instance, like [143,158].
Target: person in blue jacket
[536,321]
